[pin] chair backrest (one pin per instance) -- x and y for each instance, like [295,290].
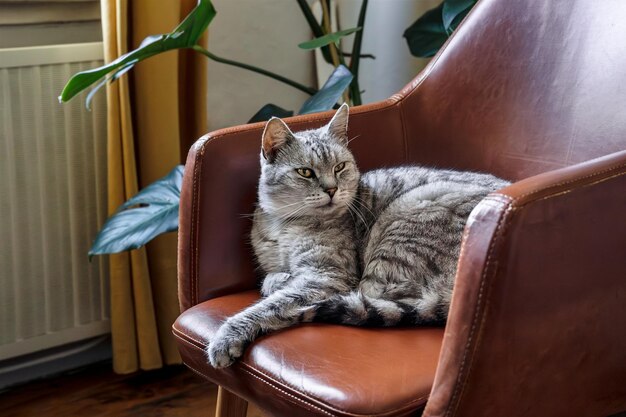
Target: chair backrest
[523,87]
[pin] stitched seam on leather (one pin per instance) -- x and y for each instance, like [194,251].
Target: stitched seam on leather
[488,290]
[286,393]
[487,199]
[408,405]
[404,140]
[241,367]
[430,67]
[371,108]
[495,197]
[205,376]
[478,314]
[201,345]
[275,384]
[459,387]
[574,180]
[193,270]
[183,336]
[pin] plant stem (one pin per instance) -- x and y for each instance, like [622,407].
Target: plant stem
[349,54]
[315,27]
[356,55]
[309,90]
[335,52]
[326,23]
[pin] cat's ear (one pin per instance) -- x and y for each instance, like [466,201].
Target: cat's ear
[275,135]
[338,126]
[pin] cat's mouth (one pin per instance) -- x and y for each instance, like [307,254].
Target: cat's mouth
[331,205]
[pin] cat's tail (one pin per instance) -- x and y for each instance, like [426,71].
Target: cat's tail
[357,309]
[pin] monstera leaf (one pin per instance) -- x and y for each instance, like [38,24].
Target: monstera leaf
[432,29]
[151,212]
[268,111]
[323,100]
[328,95]
[185,35]
[454,11]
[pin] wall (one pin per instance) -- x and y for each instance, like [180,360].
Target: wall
[28,23]
[385,23]
[265,34]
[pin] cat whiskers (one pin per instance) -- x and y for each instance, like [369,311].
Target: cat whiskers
[352,206]
[363,204]
[356,137]
[251,215]
[287,205]
[289,218]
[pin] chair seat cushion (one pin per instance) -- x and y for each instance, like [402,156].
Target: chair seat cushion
[317,369]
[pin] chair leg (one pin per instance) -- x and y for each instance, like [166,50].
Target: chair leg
[230,405]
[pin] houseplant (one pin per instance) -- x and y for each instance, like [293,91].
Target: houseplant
[154,210]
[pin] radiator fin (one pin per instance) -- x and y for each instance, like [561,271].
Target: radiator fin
[52,202]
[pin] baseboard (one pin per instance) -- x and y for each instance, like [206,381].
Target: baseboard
[50,362]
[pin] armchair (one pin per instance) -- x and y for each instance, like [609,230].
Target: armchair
[531,91]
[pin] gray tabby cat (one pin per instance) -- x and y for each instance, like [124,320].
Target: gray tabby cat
[378,249]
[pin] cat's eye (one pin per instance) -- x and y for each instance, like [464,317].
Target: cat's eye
[305,172]
[339,167]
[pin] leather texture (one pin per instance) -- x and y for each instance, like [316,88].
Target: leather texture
[529,90]
[323,369]
[541,286]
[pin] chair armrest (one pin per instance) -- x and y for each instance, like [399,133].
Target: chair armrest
[540,299]
[219,189]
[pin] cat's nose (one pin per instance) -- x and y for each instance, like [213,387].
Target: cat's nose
[330,191]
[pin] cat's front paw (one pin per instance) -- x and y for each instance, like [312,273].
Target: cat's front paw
[224,349]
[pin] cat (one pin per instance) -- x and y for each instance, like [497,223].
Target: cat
[378,249]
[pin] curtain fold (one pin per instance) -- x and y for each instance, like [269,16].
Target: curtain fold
[153,117]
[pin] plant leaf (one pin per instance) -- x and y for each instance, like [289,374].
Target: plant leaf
[328,95]
[427,34]
[457,20]
[185,35]
[165,190]
[132,227]
[268,111]
[454,11]
[117,74]
[316,28]
[327,39]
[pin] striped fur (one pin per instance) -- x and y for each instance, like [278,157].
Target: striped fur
[381,250]
[409,243]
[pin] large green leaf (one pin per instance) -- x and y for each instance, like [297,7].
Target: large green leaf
[427,34]
[327,39]
[151,212]
[328,95]
[315,26]
[185,35]
[454,11]
[268,111]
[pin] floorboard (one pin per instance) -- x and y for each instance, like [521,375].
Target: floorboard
[97,392]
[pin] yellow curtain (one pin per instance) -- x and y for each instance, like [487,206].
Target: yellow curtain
[154,115]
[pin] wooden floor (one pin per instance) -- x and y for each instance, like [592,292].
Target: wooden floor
[97,392]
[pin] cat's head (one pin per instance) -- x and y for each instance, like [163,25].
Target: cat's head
[308,173]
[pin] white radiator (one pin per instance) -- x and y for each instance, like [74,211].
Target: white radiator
[52,201]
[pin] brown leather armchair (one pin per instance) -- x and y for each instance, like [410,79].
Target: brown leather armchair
[528,90]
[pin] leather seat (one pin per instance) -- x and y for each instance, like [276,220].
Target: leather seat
[531,91]
[345,371]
